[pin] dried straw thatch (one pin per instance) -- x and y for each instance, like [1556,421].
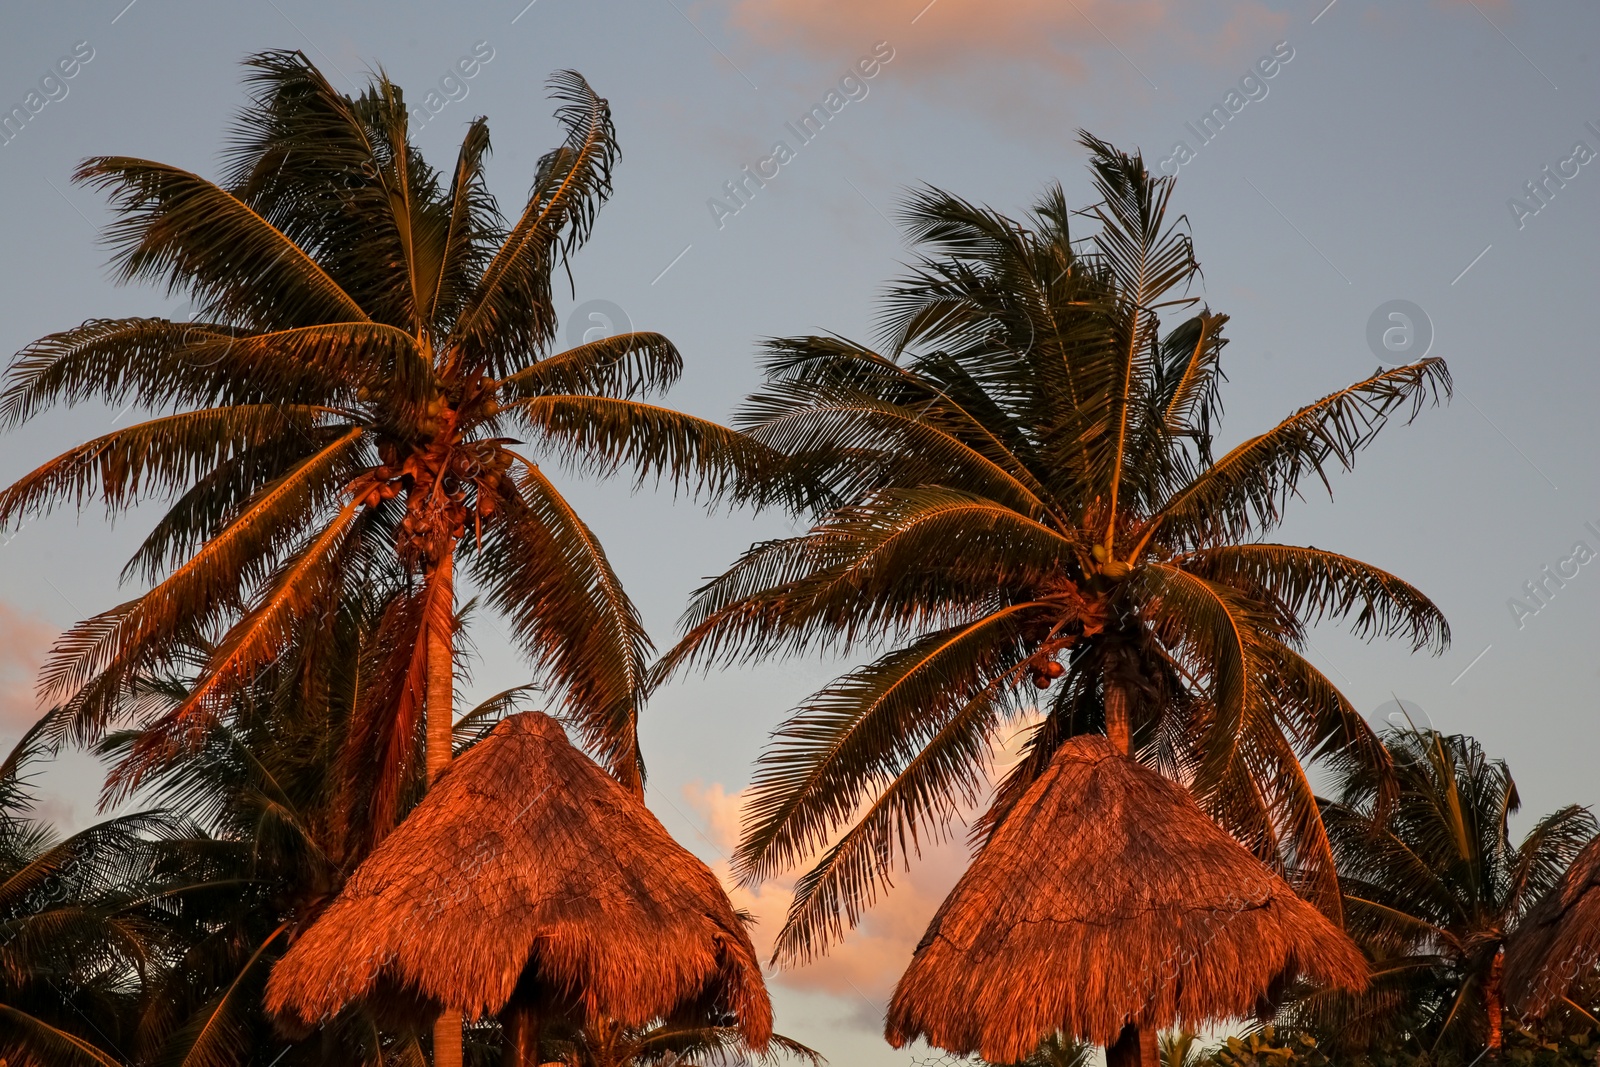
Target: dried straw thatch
[1557,941]
[1107,898]
[528,862]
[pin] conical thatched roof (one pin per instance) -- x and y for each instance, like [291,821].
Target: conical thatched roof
[527,857]
[1107,897]
[1558,940]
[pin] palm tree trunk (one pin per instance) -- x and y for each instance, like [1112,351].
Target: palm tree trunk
[440,709]
[441,666]
[520,1047]
[447,1039]
[1495,1006]
[1118,731]
[1136,1046]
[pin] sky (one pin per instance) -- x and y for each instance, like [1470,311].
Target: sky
[1340,163]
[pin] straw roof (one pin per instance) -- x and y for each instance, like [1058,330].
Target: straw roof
[1106,897]
[1558,940]
[526,861]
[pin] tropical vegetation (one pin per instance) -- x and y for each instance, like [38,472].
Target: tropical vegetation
[1020,492]
[370,331]
[1434,885]
[369,334]
[1015,505]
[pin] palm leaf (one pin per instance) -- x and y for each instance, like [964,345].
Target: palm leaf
[851,739]
[1246,488]
[176,227]
[545,570]
[510,316]
[624,365]
[32,1041]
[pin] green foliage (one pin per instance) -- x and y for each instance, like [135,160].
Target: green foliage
[1266,1047]
[1548,1044]
[1181,1048]
[1554,1043]
[82,919]
[156,931]
[1059,1050]
[703,1041]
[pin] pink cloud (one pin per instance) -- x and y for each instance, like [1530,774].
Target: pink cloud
[1023,65]
[864,967]
[24,641]
[1047,35]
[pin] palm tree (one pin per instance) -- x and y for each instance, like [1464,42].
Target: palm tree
[255,844]
[372,331]
[263,793]
[1027,473]
[77,926]
[1433,884]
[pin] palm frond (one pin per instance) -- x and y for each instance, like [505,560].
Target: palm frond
[918,804]
[177,228]
[510,318]
[601,435]
[544,569]
[305,585]
[625,365]
[475,725]
[157,457]
[1312,584]
[91,662]
[32,1041]
[850,740]
[1246,488]
[473,219]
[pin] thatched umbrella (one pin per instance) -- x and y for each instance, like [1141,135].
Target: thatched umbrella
[1108,906]
[1557,941]
[528,876]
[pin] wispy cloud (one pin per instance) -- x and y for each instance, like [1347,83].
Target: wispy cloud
[863,968]
[24,641]
[1050,35]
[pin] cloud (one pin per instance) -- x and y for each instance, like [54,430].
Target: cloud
[863,968]
[1043,35]
[24,641]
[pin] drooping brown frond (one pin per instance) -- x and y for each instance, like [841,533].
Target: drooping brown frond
[381,748]
[307,584]
[92,661]
[545,570]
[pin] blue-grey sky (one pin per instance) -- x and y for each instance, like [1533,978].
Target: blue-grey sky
[1386,157]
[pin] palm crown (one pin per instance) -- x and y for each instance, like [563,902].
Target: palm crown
[373,333]
[1433,885]
[1026,476]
